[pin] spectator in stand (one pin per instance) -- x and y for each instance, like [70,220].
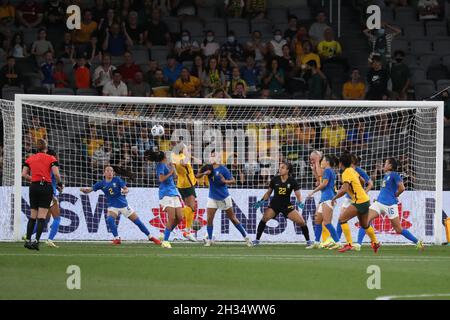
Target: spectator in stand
[220,111]
[116,41]
[333,137]
[157,33]
[115,87]
[106,23]
[93,50]
[47,71]
[99,10]
[159,85]
[60,77]
[82,36]
[172,70]
[256,47]
[187,85]
[92,141]
[184,8]
[232,47]
[400,76]
[309,55]
[354,89]
[317,29]
[19,49]
[150,74]
[6,49]
[235,79]
[428,9]
[124,9]
[41,46]
[297,41]
[139,88]
[358,137]
[144,143]
[292,30]
[186,48]
[67,47]
[256,9]
[198,69]
[274,78]
[128,69]
[316,82]
[287,62]
[240,90]
[234,8]
[265,94]
[103,73]
[251,74]
[381,40]
[226,64]
[330,50]
[9,75]
[215,78]
[7,13]
[135,32]
[29,14]
[82,73]
[377,79]
[36,130]
[55,13]
[210,47]
[275,45]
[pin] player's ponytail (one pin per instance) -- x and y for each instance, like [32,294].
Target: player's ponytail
[332,160]
[154,155]
[289,167]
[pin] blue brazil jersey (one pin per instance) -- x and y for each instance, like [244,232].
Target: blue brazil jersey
[363,175]
[112,191]
[217,189]
[168,187]
[328,192]
[389,187]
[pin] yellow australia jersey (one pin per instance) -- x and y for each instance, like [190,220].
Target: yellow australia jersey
[356,192]
[185,174]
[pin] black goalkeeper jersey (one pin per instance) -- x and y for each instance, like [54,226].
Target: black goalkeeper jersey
[282,190]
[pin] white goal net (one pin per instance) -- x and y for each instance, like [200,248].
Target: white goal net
[251,137]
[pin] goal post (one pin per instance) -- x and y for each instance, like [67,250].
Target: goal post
[252,137]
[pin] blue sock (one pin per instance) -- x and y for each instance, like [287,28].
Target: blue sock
[333,232]
[241,229]
[141,226]
[339,231]
[317,232]
[361,235]
[54,228]
[112,225]
[408,235]
[167,232]
[209,229]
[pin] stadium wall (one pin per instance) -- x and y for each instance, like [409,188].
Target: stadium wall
[83,216]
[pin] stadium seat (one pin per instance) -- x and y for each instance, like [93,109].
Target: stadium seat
[32,79]
[437,72]
[264,26]
[117,60]
[442,84]
[37,90]
[9,92]
[140,55]
[218,26]
[413,30]
[405,15]
[400,44]
[238,26]
[63,91]
[303,13]
[420,47]
[417,75]
[277,15]
[87,92]
[144,67]
[194,26]
[172,23]
[436,29]
[387,14]
[424,89]
[442,47]
[30,36]
[446,61]
[206,11]
[428,60]
[159,53]
[411,60]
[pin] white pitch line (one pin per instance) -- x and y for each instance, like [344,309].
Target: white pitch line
[414,296]
[232,256]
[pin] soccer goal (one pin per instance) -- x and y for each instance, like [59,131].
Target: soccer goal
[250,137]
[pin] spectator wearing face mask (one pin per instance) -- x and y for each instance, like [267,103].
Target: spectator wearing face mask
[277,43]
[209,46]
[186,48]
[400,76]
[381,40]
[232,47]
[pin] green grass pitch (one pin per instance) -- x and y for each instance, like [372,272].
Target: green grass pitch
[223,271]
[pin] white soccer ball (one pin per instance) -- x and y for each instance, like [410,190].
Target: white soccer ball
[157,130]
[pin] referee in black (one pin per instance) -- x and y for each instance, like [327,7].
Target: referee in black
[41,165]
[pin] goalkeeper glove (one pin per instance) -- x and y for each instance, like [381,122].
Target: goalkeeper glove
[259,204]
[299,204]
